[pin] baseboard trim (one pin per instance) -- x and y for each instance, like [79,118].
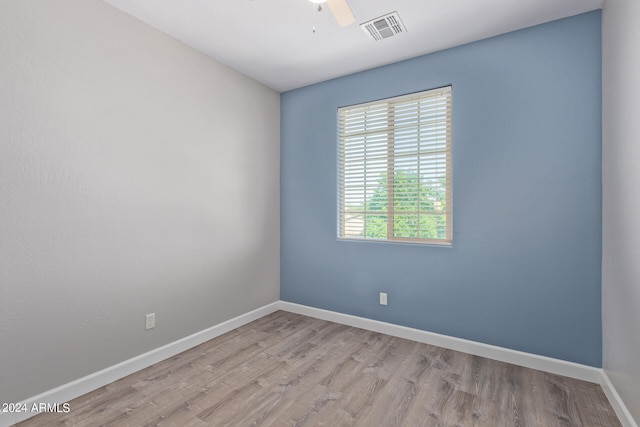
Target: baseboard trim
[528,360]
[614,398]
[113,373]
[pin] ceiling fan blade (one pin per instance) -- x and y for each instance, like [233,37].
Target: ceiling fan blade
[342,12]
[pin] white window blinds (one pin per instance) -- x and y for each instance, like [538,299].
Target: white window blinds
[395,169]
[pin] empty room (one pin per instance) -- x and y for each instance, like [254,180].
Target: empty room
[319,212]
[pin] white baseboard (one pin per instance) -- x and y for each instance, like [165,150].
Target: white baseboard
[113,373]
[616,402]
[542,363]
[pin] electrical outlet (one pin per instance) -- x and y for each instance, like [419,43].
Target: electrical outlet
[383,298]
[150,321]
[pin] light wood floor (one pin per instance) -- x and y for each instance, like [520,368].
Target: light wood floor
[291,370]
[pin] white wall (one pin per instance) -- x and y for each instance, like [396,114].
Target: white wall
[136,176]
[621,199]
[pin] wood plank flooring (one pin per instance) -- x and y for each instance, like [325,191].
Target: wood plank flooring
[291,370]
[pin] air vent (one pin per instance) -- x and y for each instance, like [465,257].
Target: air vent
[384,27]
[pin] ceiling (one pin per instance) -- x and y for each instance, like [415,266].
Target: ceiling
[272,40]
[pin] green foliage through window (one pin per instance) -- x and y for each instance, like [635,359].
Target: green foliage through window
[419,205]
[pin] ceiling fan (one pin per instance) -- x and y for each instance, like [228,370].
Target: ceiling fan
[340,10]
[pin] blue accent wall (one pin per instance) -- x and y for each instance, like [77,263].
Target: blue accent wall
[524,269]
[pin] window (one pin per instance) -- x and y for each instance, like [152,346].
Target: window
[395,169]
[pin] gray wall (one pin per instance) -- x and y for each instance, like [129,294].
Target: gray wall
[136,176]
[621,199]
[524,270]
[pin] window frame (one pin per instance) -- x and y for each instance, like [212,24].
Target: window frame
[391,105]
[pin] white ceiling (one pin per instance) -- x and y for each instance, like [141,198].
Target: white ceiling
[272,40]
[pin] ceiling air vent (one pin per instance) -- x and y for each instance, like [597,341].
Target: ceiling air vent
[384,27]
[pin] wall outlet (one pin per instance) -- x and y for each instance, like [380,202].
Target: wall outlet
[383,298]
[150,321]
